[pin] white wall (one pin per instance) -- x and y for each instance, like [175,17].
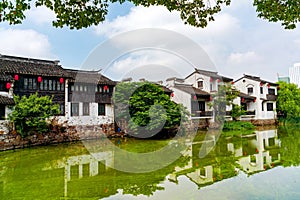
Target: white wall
[182,97]
[193,79]
[92,118]
[260,98]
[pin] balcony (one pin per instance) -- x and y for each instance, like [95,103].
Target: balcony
[250,112]
[88,97]
[271,97]
[199,113]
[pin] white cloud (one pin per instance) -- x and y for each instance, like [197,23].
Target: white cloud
[237,41]
[159,17]
[243,58]
[153,65]
[40,15]
[28,43]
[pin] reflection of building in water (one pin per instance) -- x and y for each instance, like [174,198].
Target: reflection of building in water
[204,172]
[91,162]
[84,166]
[202,175]
[256,154]
[251,153]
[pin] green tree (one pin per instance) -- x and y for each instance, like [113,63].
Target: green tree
[225,97]
[147,110]
[288,102]
[84,13]
[30,113]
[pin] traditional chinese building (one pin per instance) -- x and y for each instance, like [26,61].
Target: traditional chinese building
[195,91]
[258,97]
[89,98]
[84,96]
[26,76]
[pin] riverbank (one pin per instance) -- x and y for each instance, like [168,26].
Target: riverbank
[68,134]
[63,134]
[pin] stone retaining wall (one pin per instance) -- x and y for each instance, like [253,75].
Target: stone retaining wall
[70,134]
[263,122]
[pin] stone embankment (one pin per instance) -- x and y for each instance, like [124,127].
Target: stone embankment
[58,135]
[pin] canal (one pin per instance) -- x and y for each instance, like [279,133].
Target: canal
[260,165]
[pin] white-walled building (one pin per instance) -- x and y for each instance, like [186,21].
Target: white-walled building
[294,74]
[257,96]
[195,91]
[88,98]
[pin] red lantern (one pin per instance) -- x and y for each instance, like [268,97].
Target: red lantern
[195,97]
[172,94]
[210,98]
[254,100]
[261,84]
[218,80]
[243,99]
[8,86]
[39,79]
[16,77]
[232,82]
[105,87]
[211,79]
[268,85]
[61,80]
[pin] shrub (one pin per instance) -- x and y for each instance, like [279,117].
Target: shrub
[238,125]
[30,113]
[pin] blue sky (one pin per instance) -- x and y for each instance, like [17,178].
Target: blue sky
[237,42]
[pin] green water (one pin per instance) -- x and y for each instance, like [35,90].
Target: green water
[261,165]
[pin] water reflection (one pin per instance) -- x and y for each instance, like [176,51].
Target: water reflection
[70,171]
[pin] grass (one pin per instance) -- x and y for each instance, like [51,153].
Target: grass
[237,126]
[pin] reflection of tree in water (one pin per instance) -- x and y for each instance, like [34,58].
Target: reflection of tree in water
[290,145]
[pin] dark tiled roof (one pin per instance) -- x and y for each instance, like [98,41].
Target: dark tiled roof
[246,96]
[192,90]
[211,74]
[257,78]
[5,77]
[166,90]
[18,65]
[6,100]
[176,79]
[93,77]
